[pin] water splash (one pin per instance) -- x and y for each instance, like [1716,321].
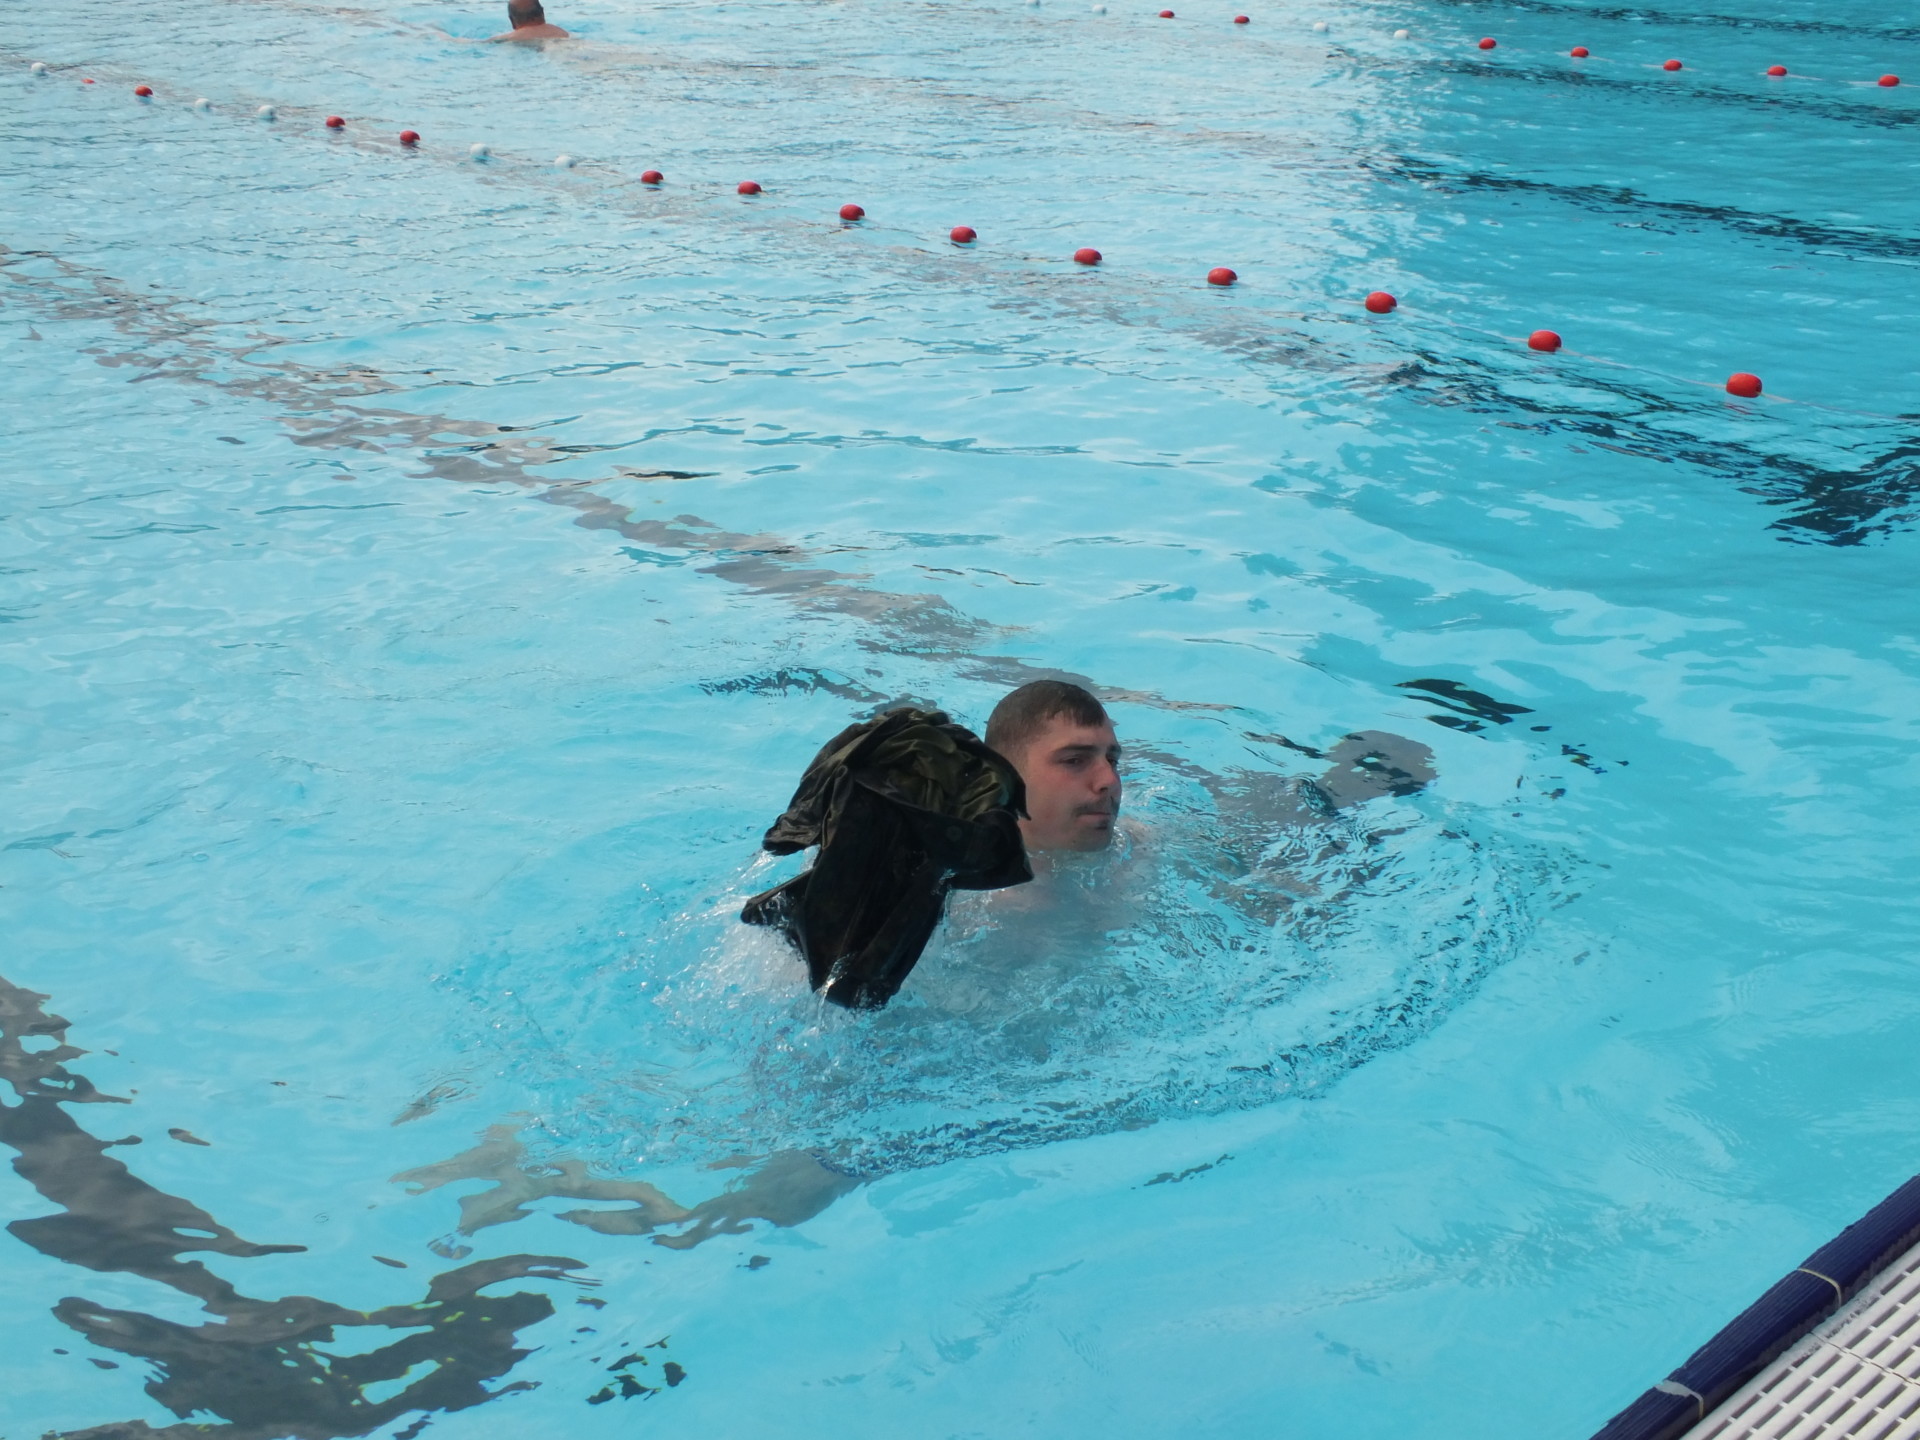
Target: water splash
[1243,944]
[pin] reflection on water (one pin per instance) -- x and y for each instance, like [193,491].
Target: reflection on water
[783,1189]
[261,1367]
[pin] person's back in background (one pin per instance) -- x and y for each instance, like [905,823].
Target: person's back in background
[529,22]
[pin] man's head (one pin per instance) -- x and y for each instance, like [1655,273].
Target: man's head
[523,13]
[1060,740]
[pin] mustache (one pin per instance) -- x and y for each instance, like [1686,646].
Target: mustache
[1104,807]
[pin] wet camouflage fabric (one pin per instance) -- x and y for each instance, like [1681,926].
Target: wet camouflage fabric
[904,808]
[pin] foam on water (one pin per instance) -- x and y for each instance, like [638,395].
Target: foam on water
[1203,968]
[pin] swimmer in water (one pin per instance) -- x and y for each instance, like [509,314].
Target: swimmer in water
[1061,741]
[906,807]
[529,23]
[1098,876]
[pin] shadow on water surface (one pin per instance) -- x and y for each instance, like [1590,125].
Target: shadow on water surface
[262,1366]
[784,1189]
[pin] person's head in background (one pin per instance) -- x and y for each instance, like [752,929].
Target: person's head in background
[529,22]
[1061,741]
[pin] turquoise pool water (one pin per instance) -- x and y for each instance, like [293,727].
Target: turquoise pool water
[425,577]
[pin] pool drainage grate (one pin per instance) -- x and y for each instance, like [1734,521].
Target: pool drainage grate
[1856,1375]
[1832,1349]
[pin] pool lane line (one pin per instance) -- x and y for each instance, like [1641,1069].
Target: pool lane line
[918,87]
[1252,142]
[1301,316]
[765,564]
[1254,343]
[623,57]
[1810,486]
[1306,351]
[1519,342]
[491,159]
[1815,1290]
[1678,18]
[928,626]
[1590,73]
[1600,199]
[1828,499]
[1859,240]
[1827,510]
[897,85]
[923,616]
[845,78]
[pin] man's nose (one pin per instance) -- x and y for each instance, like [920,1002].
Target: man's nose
[1106,778]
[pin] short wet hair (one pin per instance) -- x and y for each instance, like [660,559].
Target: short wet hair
[525,12]
[1025,712]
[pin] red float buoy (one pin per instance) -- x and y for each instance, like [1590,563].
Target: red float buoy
[1543,340]
[963,235]
[1241,20]
[409,137]
[334,122]
[1380,302]
[852,212]
[1086,256]
[143,91]
[651,177]
[1776,71]
[1746,386]
[1580,52]
[1488,43]
[1221,275]
[85,81]
[748,187]
[1166,14]
[1889,81]
[1671,65]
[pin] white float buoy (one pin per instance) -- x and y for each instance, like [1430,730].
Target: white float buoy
[203,103]
[1319,27]
[1099,9]
[265,112]
[478,152]
[1401,35]
[39,67]
[565,162]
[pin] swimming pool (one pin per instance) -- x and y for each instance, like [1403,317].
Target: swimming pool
[425,577]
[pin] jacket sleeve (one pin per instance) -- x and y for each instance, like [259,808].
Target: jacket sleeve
[805,818]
